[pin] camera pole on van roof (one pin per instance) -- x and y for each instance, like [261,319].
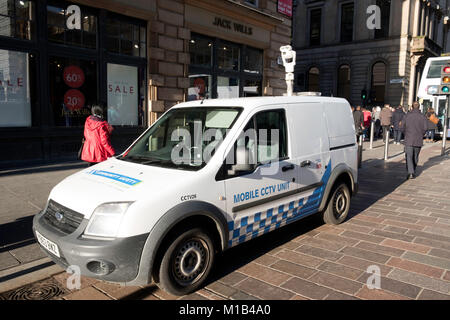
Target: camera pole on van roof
[288,55]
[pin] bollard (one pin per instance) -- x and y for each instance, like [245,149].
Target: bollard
[360,149]
[372,128]
[386,146]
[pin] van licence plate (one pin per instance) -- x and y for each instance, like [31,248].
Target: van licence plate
[47,244]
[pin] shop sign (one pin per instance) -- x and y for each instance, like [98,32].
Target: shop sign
[73,76]
[285,7]
[74,17]
[122,95]
[234,26]
[74,99]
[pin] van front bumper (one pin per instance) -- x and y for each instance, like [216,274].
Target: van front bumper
[111,260]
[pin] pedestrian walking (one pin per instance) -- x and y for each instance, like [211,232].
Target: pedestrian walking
[367,120]
[415,124]
[97,146]
[376,118]
[432,125]
[358,118]
[386,119]
[397,118]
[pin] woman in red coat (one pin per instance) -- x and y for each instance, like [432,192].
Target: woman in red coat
[97,146]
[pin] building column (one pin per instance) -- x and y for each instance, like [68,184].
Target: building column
[422,19]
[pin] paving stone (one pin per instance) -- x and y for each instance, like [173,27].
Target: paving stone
[393,235]
[242,296]
[416,267]
[364,254]
[7,260]
[380,249]
[318,252]
[340,270]
[394,285]
[266,260]
[307,288]
[233,278]
[433,243]
[89,293]
[405,245]
[323,244]
[338,239]
[432,295]
[84,281]
[294,269]
[447,276]
[378,294]
[209,295]
[28,253]
[299,258]
[340,296]
[364,223]
[420,280]
[395,229]
[221,289]
[263,290]
[335,282]
[116,291]
[363,264]
[263,273]
[404,224]
[194,296]
[440,253]
[426,259]
[362,236]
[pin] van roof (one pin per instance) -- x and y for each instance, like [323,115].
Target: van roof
[253,102]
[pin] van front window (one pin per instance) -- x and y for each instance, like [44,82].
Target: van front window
[184,138]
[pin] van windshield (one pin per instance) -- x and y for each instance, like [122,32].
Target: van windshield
[184,138]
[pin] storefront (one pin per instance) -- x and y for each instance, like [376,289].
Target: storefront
[136,58]
[51,74]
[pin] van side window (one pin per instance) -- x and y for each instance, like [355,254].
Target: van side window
[272,136]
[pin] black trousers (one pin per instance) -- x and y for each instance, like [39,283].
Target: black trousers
[412,158]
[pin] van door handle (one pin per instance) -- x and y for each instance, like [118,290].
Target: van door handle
[288,167]
[306,163]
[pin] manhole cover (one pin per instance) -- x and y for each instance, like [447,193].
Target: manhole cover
[43,290]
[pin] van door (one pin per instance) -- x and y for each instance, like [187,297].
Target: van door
[312,147]
[259,201]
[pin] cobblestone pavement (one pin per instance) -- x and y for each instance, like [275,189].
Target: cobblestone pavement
[401,227]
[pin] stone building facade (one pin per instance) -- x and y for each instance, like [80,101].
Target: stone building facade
[137,58]
[342,52]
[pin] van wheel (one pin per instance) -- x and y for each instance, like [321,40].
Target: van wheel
[338,205]
[187,262]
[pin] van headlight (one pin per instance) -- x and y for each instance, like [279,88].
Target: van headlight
[106,219]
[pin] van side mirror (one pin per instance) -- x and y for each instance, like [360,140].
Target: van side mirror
[244,162]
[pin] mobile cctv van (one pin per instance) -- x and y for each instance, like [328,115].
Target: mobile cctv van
[151,215]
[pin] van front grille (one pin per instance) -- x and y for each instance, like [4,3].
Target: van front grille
[61,218]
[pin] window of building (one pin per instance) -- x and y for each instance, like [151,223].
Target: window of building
[378,82]
[313,79]
[58,32]
[73,89]
[222,69]
[253,3]
[17,88]
[385,7]
[315,27]
[125,37]
[347,14]
[344,82]
[17,19]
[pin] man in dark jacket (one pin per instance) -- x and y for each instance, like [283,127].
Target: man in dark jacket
[415,124]
[358,118]
[386,119]
[397,118]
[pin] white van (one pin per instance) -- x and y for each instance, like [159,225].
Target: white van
[148,215]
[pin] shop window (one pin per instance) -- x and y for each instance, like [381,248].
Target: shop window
[123,101]
[228,56]
[73,90]
[347,22]
[201,51]
[17,88]
[227,87]
[315,19]
[253,61]
[125,38]
[17,19]
[58,32]
[344,82]
[199,87]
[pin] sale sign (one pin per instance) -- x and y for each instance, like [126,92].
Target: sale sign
[73,76]
[74,99]
[285,7]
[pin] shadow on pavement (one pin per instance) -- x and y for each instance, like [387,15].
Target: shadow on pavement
[40,169]
[16,234]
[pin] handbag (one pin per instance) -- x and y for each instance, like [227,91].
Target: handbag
[434,119]
[81,149]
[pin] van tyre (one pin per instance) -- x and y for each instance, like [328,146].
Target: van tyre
[338,205]
[187,262]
